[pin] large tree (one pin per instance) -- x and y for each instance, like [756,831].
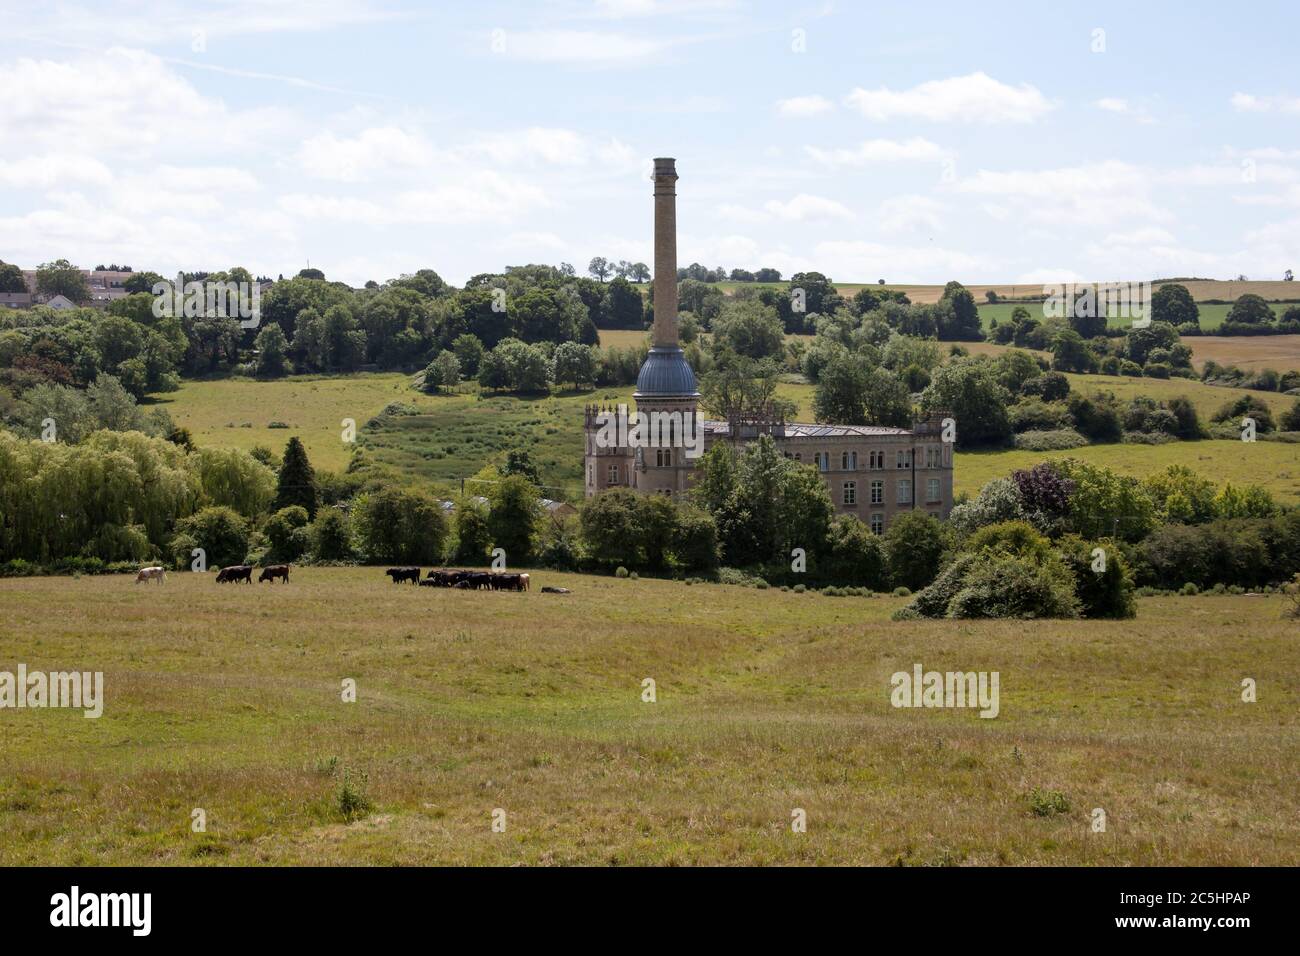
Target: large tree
[297,481]
[61,277]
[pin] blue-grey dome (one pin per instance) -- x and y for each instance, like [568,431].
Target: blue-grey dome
[666,372]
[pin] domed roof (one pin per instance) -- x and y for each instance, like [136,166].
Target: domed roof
[666,372]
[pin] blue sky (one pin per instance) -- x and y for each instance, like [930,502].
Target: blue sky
[914,142]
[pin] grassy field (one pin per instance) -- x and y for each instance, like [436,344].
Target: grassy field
[1274,465]
[236,412]
[229,700]
[453,436]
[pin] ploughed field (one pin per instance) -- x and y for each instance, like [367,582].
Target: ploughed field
[228,699]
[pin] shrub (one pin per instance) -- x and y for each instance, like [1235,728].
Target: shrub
[621,572]
[1054,440]
[351,798]
[1047,803]
[331,535]
[902,592]
[1010,587]
[220,531]
[1189,590]
[1107,593]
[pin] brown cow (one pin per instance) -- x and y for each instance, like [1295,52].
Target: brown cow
[236,573]
[273,572]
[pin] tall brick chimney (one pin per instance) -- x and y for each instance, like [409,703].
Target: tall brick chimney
[665,277]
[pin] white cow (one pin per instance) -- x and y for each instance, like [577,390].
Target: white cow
[155,573]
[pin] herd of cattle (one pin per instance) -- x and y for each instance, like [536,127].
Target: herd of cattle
[244,572]
[437,578]
[465,580]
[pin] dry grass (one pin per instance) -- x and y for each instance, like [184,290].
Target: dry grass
[1278,352]
[229,700]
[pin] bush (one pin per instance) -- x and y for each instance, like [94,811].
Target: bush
[622,572]
[1009,587]
[1054,440]
[331,535]
[902,592]
[220,531]
[1189,590]
[1107,593]
[1047,803]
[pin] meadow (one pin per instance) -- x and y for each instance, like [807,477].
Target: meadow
[453,436]
[229,700]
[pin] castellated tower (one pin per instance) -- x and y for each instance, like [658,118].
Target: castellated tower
[666,383]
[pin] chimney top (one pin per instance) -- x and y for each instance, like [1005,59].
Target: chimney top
[665,166]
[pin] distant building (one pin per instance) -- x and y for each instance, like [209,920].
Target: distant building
[873,472]
[15,300]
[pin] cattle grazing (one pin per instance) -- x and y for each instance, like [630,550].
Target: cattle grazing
[151,574]
[273,572]
[236,573]
[523,582]
[404,574]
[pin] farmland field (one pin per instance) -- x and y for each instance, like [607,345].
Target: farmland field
[453,436]
[229,700]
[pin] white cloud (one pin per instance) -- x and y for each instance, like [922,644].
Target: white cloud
[1142,236]
[807,208]
[1249,103]
[803,106]
[1112,104]
[1092,194]
[575,47]
[975,98]
[911,213]
[483,196]
[124,102]
[916,149]
[51,169]
[360,158]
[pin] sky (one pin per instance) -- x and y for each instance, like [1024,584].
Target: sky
[987,142]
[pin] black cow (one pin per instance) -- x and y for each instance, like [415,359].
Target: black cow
[236,573]
[404,574]
[274,571]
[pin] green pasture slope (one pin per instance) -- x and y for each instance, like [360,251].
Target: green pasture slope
[766,701]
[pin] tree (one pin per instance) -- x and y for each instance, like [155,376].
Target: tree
[221,532]
[272,346]
[962,323]
[915,544]
[751,329]
[1172,303]
[969,390]
[1250,309]
[513,517]
[640,272]
[473,538]
[1070,354]
[286,534]
[11,278]
[622,306]
[599,267]
[331,535]
[857,556]
[442,372]
[611,527]
[397,525]
[519,462]
[469,353]
[574,363]
[297,480]
[61,277]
